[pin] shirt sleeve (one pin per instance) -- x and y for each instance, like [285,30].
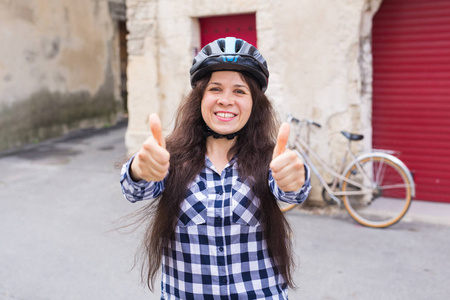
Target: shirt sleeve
[295,197]
[141,190]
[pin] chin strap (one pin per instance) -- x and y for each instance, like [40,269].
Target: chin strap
[209,132]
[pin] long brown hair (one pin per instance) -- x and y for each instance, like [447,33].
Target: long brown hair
[187,147]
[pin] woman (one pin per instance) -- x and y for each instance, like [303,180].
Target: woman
[215,225]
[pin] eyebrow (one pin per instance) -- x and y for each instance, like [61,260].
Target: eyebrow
[236,85]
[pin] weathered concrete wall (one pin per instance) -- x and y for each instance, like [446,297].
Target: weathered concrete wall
[142,69]
[318,54]
[59,68]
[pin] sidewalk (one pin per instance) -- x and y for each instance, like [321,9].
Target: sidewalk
[429,212]
[425,212]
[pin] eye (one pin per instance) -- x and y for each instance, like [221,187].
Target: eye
[214,89]
[239,91]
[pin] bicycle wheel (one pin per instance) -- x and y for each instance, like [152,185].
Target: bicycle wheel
[285,206]
[377,191]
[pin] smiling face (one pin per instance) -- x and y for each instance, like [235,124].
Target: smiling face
[227,102]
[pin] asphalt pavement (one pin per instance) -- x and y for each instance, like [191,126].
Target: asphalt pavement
[60,202]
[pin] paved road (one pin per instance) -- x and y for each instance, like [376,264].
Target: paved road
[59,201]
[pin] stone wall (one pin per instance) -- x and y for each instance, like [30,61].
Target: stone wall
[59,68]
[318,54]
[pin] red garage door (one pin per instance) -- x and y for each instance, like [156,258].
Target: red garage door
[240,26]
[411,90]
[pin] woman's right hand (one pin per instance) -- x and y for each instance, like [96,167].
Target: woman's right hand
[151,163]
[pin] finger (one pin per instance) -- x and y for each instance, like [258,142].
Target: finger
[151,148]
[289,173]
[289,181]
[282,139]
[146,167]
[152,175]
[155,175]
[155,127]
[291,186]
[288,157]
[159,165]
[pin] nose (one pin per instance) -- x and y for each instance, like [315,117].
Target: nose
[226,99]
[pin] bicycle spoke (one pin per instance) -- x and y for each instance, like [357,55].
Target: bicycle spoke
[380,173]
[351,193]
[394,186]
[386,201]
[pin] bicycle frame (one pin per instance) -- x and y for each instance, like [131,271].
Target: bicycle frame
[301,148]
[362,182]
[304,151]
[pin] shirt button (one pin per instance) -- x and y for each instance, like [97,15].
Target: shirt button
[221,249]
[220,192]
[224,280]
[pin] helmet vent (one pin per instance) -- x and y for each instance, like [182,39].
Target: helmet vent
[207,50]
[221,43]
[238,46]
[251,50]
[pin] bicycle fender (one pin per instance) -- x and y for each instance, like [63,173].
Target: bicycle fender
[390,157]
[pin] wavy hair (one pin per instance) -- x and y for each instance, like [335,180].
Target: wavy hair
[253,150]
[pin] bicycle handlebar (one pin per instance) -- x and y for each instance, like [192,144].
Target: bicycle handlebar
[292,119]
[310,122]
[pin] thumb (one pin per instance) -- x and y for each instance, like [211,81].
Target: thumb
[282,139]
[155,127]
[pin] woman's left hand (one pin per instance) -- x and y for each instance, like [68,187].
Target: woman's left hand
[287,168]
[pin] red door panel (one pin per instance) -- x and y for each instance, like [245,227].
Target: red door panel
[240,26]
[411,90]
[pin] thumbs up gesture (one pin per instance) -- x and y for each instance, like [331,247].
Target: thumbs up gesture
[287,168]
[151,163]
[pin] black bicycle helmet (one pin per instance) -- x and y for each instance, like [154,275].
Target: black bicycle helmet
[230,54]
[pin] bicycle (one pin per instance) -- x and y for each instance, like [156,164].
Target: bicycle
[376,188]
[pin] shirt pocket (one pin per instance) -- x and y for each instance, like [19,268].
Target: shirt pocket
[244,205]
[193,208]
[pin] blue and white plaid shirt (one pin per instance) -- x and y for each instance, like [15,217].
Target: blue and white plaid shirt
[218,251]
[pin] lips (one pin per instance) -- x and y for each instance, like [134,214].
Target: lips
[225,115]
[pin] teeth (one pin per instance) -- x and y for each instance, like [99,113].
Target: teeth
[225,115]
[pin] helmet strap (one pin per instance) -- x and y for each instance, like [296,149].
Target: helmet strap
[209,132]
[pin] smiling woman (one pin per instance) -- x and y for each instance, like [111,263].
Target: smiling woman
[215,182]
[227,102]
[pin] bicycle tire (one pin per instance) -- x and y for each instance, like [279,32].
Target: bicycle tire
[284,206]
[390,190]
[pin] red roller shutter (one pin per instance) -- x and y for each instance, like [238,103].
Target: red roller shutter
[240,26]
[411,90]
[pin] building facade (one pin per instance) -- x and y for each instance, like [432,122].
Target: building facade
[380,68]
[318,54]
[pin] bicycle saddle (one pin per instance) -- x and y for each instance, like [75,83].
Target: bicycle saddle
[352,136]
